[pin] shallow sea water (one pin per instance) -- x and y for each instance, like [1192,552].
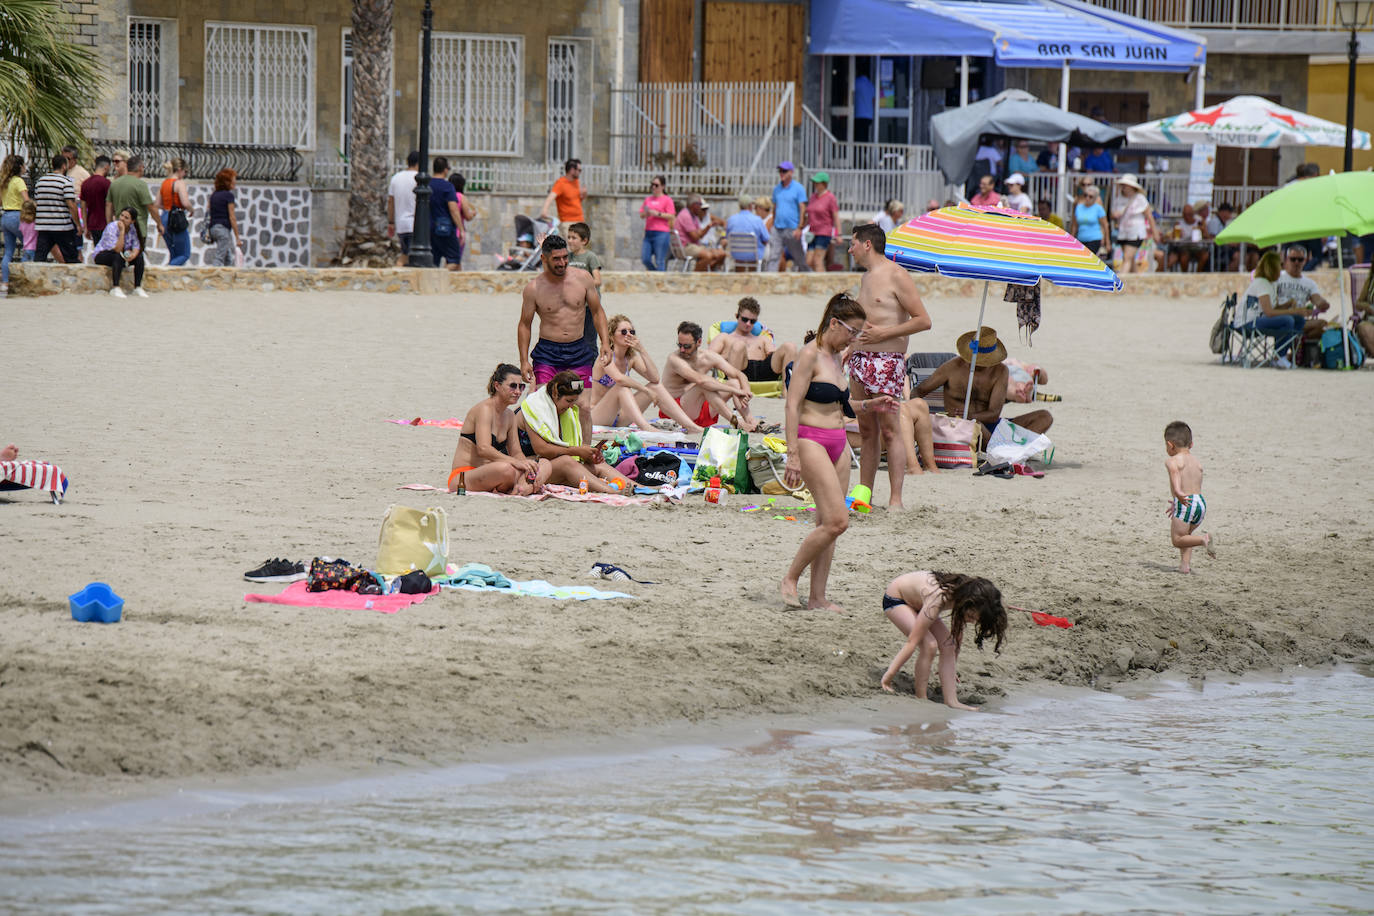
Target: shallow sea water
[1242,797]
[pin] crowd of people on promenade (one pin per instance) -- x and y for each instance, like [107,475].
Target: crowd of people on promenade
[55,215]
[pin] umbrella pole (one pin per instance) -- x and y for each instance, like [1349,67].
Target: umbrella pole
[1340,269]
[968,395]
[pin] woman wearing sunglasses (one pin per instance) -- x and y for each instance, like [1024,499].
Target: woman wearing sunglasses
[489,440]
[817,451]
[658,212]
[619,400]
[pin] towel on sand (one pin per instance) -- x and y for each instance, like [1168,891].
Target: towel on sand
[475,577]
[38,475]
[296,595]
[556,491]
[542,416]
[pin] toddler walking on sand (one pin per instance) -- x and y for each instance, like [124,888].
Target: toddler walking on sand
[1187,508]
[914,603]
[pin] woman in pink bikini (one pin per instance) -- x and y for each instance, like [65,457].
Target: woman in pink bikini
[817,452]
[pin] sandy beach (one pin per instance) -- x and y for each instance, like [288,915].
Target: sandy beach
[205,433]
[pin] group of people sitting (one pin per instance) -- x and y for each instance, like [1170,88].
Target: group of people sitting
[588,370]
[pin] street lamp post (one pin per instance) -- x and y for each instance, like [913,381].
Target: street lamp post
[420,253]
[1353,15]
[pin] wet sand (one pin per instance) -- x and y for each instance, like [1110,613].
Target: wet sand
[204,434]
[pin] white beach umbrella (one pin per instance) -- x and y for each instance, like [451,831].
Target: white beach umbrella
[1245,121]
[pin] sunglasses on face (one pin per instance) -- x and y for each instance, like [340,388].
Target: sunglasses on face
[1296,257]
[852,332]
[516,386]
[626,332]
[745,319]
[685,346]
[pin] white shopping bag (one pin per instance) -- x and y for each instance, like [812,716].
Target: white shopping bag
[1015,444]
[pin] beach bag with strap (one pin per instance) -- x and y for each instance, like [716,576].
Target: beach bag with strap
[1015,444]
[657,470]
[955,441]
[1333,349]
[725,454]
[768,466]
[177,221]
[413,539]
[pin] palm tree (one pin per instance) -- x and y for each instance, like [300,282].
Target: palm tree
[45,77]
[365,239]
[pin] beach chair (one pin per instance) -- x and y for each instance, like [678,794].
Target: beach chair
[34,475]
[743,249]
[676,255]
[1245,345]
[921,366]
[771,389]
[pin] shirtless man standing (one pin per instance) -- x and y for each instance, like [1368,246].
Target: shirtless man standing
[687,376]
[571,324]
[877,361]
[750,350]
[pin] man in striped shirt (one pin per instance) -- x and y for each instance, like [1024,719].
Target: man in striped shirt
[59,221]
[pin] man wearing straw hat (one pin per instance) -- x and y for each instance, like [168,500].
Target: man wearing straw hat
[877,361]
[989,384]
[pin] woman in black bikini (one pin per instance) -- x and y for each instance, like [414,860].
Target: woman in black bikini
[817,453]
[619,400]
[489,440]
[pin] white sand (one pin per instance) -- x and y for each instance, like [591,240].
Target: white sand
[203,434]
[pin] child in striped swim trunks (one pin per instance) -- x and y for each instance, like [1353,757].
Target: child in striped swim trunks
[1187,508]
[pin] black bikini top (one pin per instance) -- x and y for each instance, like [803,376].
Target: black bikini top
[495,442]
[822,392]
[826,393]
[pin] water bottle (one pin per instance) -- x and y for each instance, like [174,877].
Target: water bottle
[582,487]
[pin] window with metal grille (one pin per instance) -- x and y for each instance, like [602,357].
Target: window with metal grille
[477,94]
[562,113]
[146,85]
[260,84]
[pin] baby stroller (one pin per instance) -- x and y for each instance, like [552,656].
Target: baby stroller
[524,254]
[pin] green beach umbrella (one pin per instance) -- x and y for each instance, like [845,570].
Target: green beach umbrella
[1340,204]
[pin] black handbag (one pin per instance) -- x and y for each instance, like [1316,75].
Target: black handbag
[177,222]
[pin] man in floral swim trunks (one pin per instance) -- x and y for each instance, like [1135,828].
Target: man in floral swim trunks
[877,364]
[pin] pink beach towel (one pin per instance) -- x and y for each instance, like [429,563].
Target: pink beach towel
[297,595]
[553,491]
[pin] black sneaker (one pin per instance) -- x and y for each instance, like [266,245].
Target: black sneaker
[276,570]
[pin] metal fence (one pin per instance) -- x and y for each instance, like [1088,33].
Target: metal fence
[864,176]
[273,164]
[713,138]
[1166,191]
[1281,15]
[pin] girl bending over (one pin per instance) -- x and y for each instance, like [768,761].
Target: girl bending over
[916,601]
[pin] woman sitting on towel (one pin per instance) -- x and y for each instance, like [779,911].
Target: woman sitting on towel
[617,399]
[489,439]
[817,453]
[549,415]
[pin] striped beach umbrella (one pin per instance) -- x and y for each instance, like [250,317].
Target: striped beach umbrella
[996,246]
[1000,246]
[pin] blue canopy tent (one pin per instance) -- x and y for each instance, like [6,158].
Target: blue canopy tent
[1014,33]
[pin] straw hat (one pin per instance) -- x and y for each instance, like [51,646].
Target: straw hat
[1130,181]
[991,351]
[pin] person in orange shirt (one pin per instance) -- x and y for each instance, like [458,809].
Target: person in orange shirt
[567,195]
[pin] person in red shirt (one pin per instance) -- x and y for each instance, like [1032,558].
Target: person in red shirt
[986,196]
[567,196]
[824,211]
[93,192]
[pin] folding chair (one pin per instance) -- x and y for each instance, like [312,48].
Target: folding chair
[675,253]
[1245,344]
[921,366]
[743,249]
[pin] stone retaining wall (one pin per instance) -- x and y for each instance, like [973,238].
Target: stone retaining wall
[51,279]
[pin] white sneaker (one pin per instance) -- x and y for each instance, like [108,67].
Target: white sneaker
[1281,363]
[118,293]
[138,291]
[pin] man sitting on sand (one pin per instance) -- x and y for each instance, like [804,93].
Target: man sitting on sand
[877,359]
[989,384]
[687,376]
[750,349]
[571,323]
